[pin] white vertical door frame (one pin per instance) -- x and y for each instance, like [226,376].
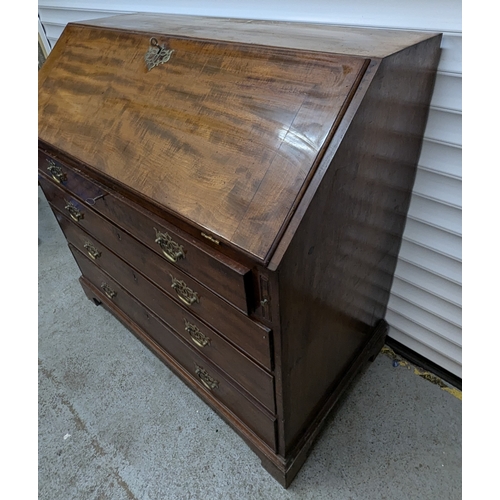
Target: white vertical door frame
[42,37]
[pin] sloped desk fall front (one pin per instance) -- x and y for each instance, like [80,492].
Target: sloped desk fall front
[235,193]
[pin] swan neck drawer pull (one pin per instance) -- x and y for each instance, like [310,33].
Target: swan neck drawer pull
[110,293]
[74,213]
[209,382]
[184,293]
[197,336]
[170,248]
[56,172]
[91,250]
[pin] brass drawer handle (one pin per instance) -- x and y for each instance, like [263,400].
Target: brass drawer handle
[110,293]
[184,293]
[197,336]
[56,172]
[209,382]
[172,250]
[91,250]
[74,213]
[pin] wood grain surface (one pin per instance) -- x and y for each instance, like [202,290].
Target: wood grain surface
[294,145]
[160,337]
[336,276]
[256,381]
[349,40]
[250,336]
[222,135]
[225,276]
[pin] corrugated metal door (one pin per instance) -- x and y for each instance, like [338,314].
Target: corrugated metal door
[425,306]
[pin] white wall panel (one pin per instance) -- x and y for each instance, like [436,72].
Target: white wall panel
[53,31]
[442,158]
[427,301]
[451,52]
[425,305]
[432,261]
[443,126]
[447,244]
[430,321]
[444,15]
[43,40]
[436,214]
[430,282]
[426,337]
[438,187]
[447,356]
[448,92]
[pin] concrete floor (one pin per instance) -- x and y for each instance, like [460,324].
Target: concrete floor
[115,423]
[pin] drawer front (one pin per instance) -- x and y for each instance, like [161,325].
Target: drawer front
[207,376]
[226,277]
[200,336]
[249,336]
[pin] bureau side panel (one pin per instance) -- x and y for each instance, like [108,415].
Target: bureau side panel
[336,275]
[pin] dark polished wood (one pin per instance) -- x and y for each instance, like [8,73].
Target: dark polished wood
[373,43]
[343,293]
[203,338]
[269,112]
[226,276]
[250,336]
[227,394]
[240,206]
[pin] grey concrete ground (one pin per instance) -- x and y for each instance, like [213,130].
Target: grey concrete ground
[115,423]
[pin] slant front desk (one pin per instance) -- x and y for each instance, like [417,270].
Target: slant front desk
[235,193]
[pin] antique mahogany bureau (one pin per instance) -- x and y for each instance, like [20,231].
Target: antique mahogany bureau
[235,193]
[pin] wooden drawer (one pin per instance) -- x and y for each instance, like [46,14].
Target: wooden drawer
[224,276]
[208,377]
[249,375]
[252,338]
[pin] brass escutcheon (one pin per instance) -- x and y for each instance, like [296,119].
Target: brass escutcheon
[211,238]
[156,54]
[74,213]
[184,293]
[56,172]
[171,249]
[197,336]
[209,382]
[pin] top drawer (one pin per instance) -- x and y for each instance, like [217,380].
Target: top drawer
[224,276]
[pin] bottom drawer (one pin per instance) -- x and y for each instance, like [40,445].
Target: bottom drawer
[208,378]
